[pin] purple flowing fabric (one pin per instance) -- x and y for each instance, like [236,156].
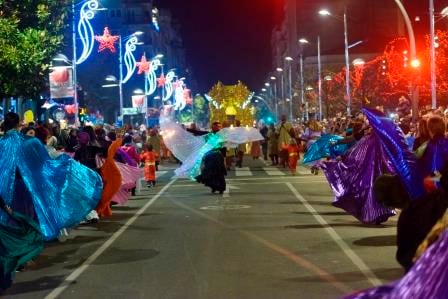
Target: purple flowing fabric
[435,156]
[428,278]
[396,148]
[130,175]
[352,178]
[126,158]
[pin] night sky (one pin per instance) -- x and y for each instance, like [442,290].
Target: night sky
[226,40]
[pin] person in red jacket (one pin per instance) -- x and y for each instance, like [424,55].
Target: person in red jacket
[149,158]
[293,156]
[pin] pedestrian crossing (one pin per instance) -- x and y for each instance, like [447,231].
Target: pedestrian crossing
[266,171]
[258,170]
[243,171]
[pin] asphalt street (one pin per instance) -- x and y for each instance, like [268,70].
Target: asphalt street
[270,235]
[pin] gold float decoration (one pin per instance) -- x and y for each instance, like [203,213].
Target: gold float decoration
[230,103]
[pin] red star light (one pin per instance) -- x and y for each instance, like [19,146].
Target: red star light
[106,41]
[161,81]
[144,66]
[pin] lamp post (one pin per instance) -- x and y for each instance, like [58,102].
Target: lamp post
[433,55]
[325,12]
[131,44]
[414,60]
[282,86]
[319,79]
[303,42]
[290,60]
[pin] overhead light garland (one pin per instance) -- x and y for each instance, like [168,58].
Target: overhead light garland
[85,29]
[107,41]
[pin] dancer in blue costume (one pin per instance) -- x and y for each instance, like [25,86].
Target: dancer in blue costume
[58,193]
[435,155]
[326,146]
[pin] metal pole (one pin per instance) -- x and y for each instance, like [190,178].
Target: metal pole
[275,100]
[319,80]
[347,67]
[283,92]
[413,53]
[290,92]
[75,58]
[302,89]
[120,83]
[433,56]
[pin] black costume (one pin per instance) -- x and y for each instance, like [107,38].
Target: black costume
[213,171]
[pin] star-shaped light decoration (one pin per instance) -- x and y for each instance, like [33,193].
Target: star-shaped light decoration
[178,84]
[161,81]
[144,66]
[107,41]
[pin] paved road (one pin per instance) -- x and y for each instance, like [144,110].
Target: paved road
[270,235]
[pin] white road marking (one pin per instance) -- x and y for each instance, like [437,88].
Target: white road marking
[160,173]
[227,191]
[76,273]
[273,171]
[254,183]
[356,260]
[243,171]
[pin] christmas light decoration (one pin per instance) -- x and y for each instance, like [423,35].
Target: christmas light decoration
[179,98]
[151,77]
[231,102]
[161,81]
[144,66]
[85,30]
[129,58]
[169,85]
[107,41]
[155,17]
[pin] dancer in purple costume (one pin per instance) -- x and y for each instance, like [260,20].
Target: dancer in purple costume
[352,177]
[427,279]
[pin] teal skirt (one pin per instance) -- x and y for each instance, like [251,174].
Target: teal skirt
[20,242]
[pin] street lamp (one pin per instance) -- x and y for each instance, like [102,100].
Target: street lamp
[413,50]
[358,62]
[282,85]
[112,81]
[303,42]
[325,12]
[289,60]
[274,91]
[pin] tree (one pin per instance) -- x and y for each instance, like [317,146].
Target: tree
[31,32]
